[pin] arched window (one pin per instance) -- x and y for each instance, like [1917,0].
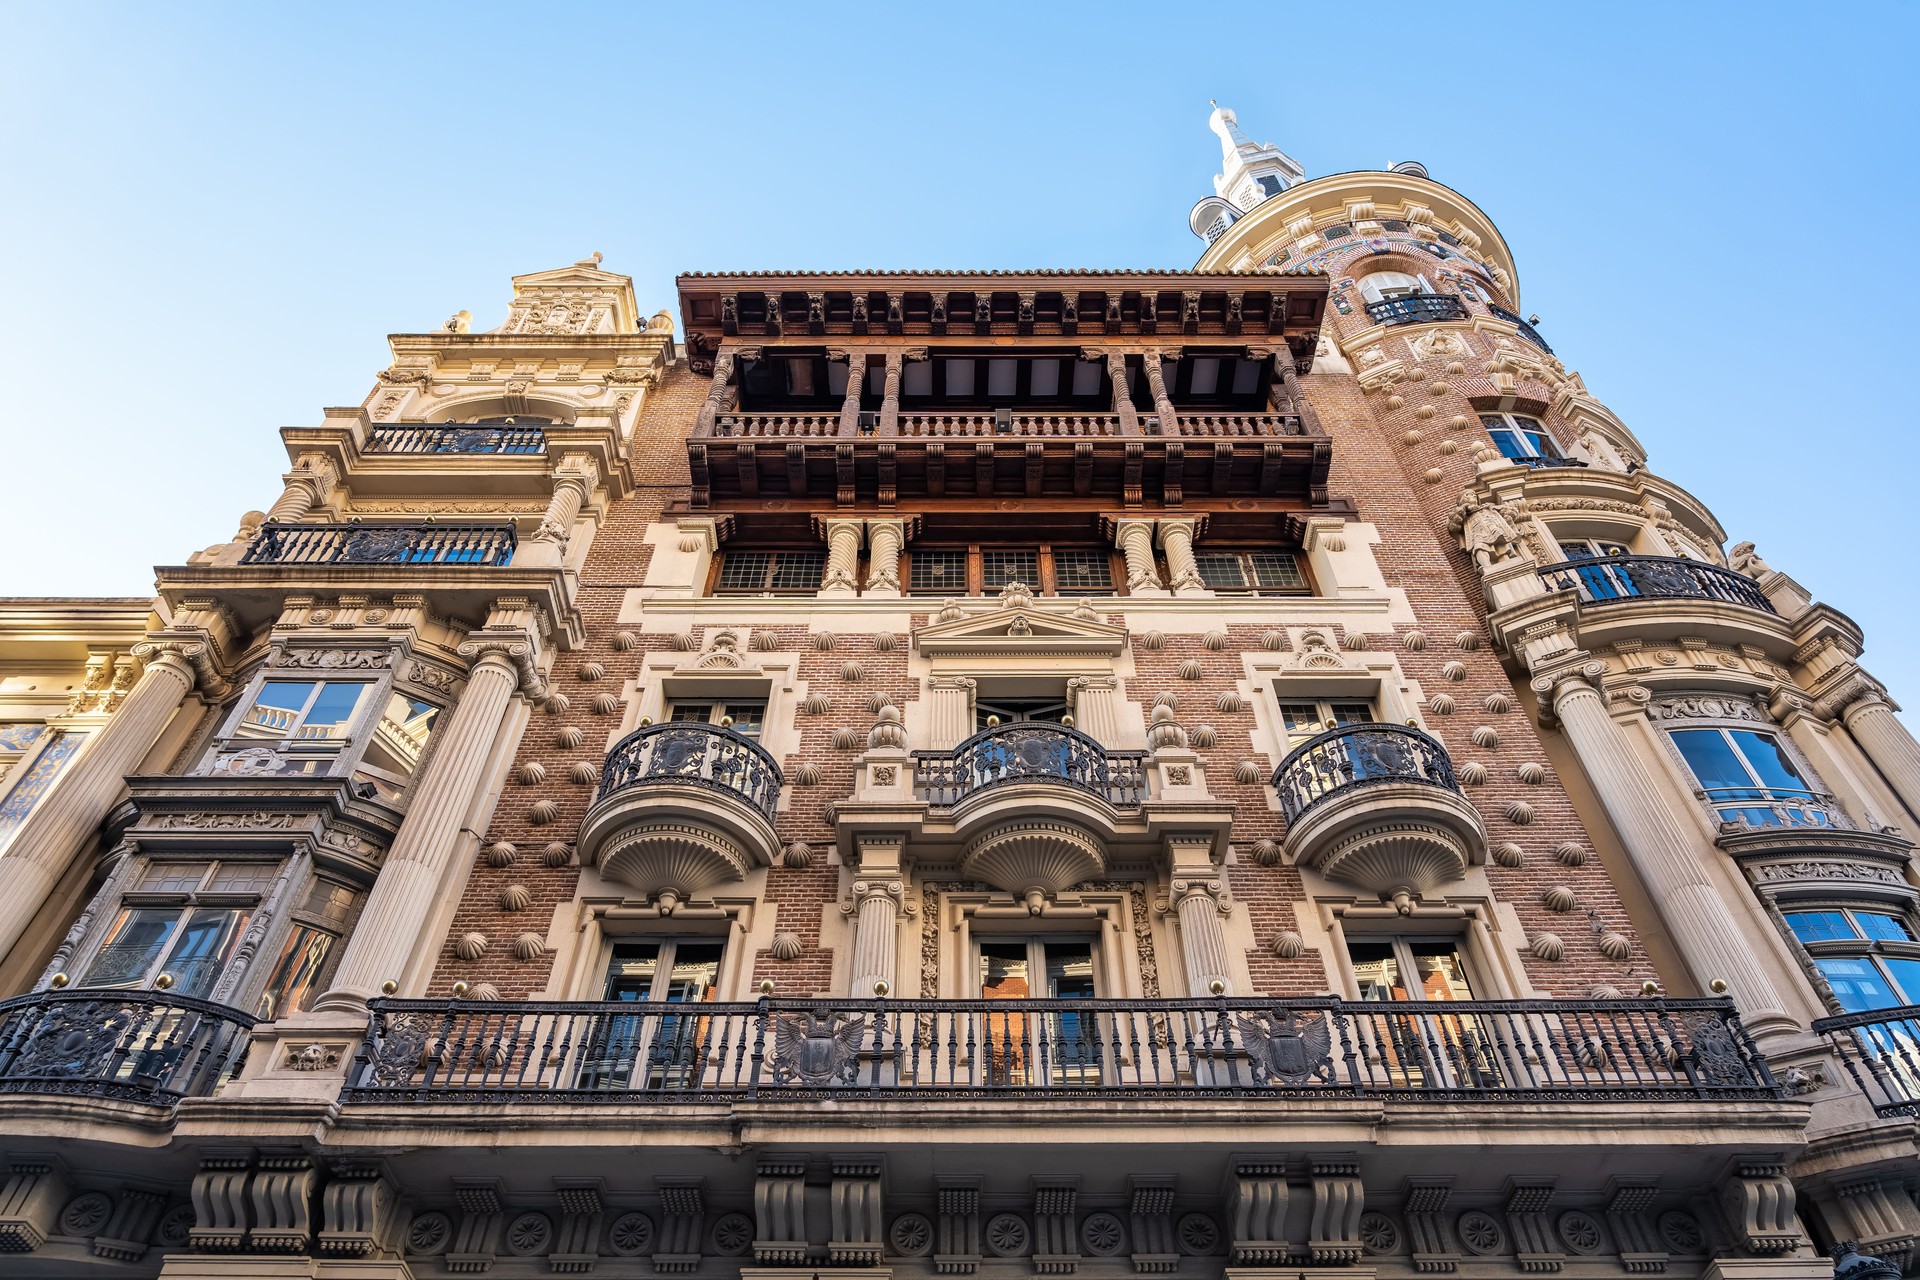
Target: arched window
[1383,285]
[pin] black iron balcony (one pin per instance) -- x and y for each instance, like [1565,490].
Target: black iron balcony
[1031,751]
[1606,579]
[1527,331]
[141,1046]
[1318,1047]
[1357,756]
[701,755]
[1881,1050]
[445,544]
[1541,462]
[457,438]
[1417,308]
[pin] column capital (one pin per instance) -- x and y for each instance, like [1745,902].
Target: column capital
[1855,691]
[189,658]
[1582,674]
[513,651]
[966,683]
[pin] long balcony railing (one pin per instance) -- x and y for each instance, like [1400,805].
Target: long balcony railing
[701,755]
[1417,308]
[1031,751]
[1541,462]
[480,544]
[1881,1050]
[142,1046]
[1603,580]
[457,438]
[1527,331]
[1317,1047]
[1357,756]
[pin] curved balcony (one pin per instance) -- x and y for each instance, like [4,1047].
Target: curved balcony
[682,807]
[382,544]
[1527,331]
[137,1046]
[1881,1050]
[1031,752]
[1377,806]
[457,438]
[1612,579]
[1417,308]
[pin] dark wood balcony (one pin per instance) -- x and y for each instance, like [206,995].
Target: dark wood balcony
[139,1046]
[1613,579]
[462,438]
[1031,752]
[1297,1049]
[1881,1051]
[383,544]
[1417,308]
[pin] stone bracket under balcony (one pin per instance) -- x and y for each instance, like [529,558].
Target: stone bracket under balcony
[683,808]
[1377,807]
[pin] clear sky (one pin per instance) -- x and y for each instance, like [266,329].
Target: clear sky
[213,215]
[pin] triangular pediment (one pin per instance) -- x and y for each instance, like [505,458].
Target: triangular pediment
[1020,628]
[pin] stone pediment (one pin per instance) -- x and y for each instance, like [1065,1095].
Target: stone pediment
[577,299]
[1019,625]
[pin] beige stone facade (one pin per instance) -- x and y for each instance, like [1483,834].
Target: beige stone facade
[1236,772]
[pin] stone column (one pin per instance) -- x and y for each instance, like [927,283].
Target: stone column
[1135,540]
[1096,707]
[387,936]
[308,485]
[572,483]
[842,577]
[1199,900]
[878,897]
[950,719]
[1162,402]
[1665,854]
[885,540]
[68,816]
[1122,401]
[1176,539]
[723,362]
[1869,718]
[856,380]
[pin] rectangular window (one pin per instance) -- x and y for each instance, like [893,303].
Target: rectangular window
[195,944]
[399,741]
[1304,720]
[938,573]
[1043,570]
[1736,765]
[764,572]
[1266,573]
[295,978]
[292,727]
[653,1051]
[744,716]
[998,568]
[1519,437]
[1025,1048]
[1078,573]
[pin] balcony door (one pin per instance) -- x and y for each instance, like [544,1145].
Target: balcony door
[1426,1049]
[657,1048]
[1026,1047]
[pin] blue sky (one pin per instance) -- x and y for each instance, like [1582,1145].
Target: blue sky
[213,215]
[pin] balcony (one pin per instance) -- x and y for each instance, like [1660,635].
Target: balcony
[682,807]
[1417,308]
[1540,462]
[383,544]
[135,1046]
[1881,1051]
[1527,331]
[1377,806]
[1616,578]
[458,438]
[1294,1049]
[1031,752]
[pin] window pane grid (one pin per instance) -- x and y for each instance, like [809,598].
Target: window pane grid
[939,571]
[1221,571]
[1086,572]
[998,568]
[1277,570]
[771,571]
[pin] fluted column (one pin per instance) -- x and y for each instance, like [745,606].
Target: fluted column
[1135,540]
[388,934]
[1122,401]
[67,817]
[950,701]
[1176,539]
[1665,854]
[1871,721]
[1096,707]
[308,485]
[1162,402]
[1200,902]
[876,932]
[885,541]
[842,577]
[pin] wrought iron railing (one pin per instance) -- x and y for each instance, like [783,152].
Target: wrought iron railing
[1540,462]
[1743,808]
[1417,308]
[143,1046]
[701,755]
[457,438]
[1031,751]
[482,544]
[1881,1051]
[1527,331]
[1613,1050]
[1357,756]
[1605,579]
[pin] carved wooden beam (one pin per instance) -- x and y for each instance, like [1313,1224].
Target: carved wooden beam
[797,469]
[1130,480]
[1273,457]
[843,473]
[697,467]
[983,469]
[1083,468]
[746,461]
[1036,467]
[1222,468]
[1173,479]
[936,469]
[889,482]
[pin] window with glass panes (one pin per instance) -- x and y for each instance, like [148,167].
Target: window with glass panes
[1517,436]
[763,572]
[1870,956]
[744,716]
[1046,569]
[1399,968]
[1748,777]
[183,919]
[1063,1047]
[1265,573]
[1304,719]
[663,1050]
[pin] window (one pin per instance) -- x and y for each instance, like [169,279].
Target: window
[399,741]
[292,727]
[744,716]
[1046,569]
[1305,719]
[190,944]
[1409,969]
[1870,956]
[1422,1049]
[1599,580]
[1519,437]
[1023,1047]
[318,925]
[1738,767]
[656,1050]
[1269,185]
[1261,573]
[769,572]
[1384,285]
[987,714]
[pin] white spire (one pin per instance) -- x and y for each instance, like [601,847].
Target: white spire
[1249,171]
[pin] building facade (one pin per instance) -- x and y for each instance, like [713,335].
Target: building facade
[1239,771]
